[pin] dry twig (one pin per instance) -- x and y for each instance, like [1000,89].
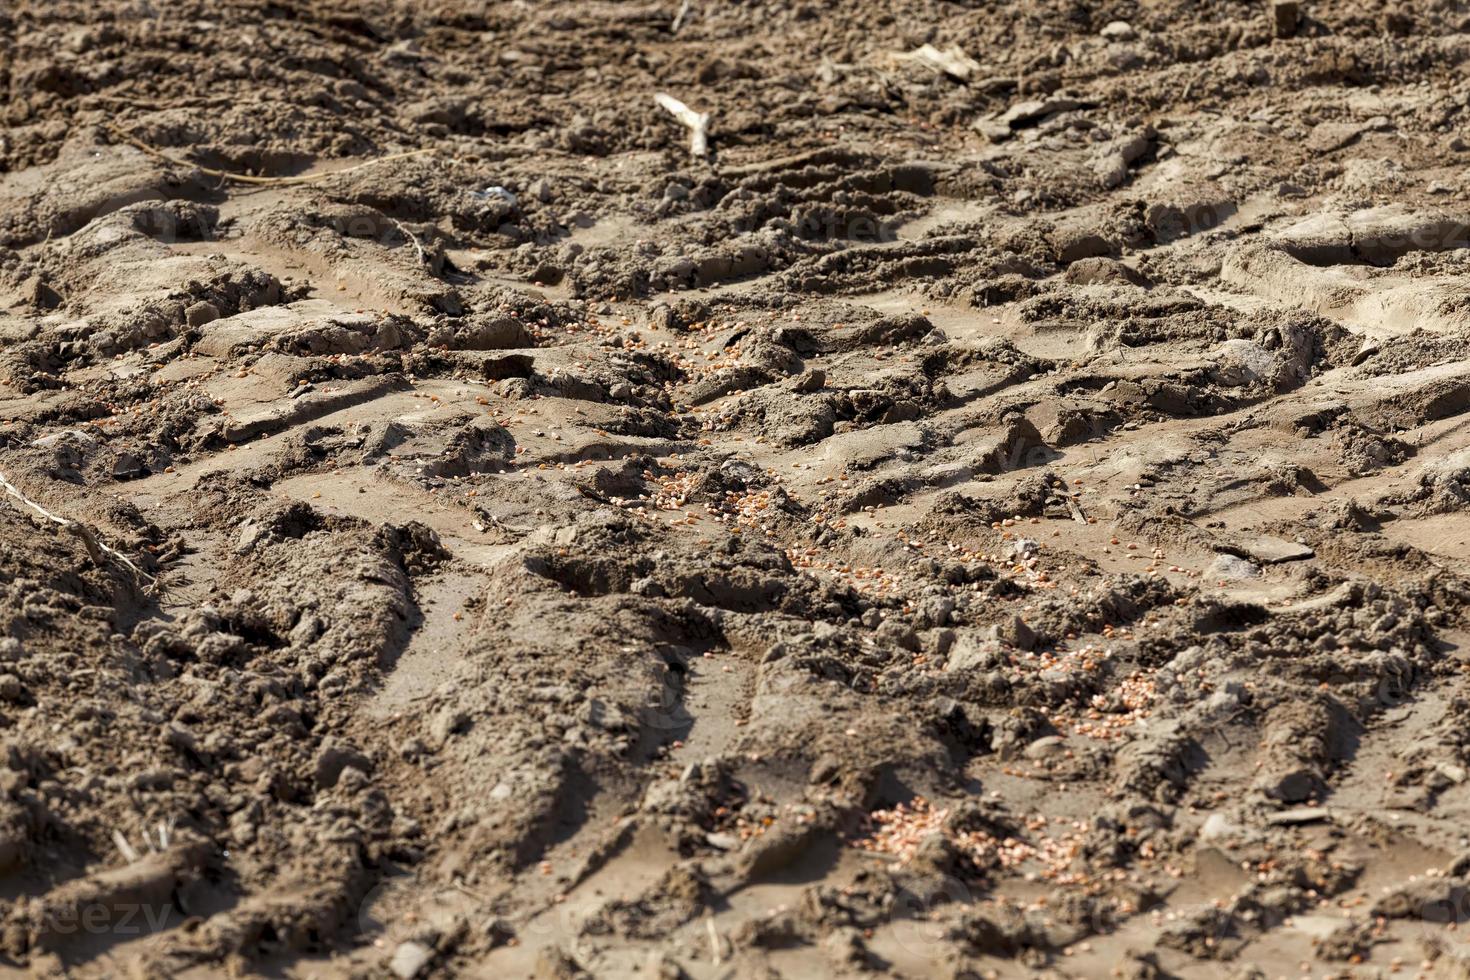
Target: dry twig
[714,938]
[95,548]
[125,848]
[423,258]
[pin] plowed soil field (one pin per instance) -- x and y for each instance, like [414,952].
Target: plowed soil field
[1000,507]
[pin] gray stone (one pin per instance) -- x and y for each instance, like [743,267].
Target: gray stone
[409,960]
[1231,569]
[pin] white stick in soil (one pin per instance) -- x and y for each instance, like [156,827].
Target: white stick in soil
[697,123]
[128,851]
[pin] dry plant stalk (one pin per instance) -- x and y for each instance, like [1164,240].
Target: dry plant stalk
[423,258]
[697,123]
[95,548]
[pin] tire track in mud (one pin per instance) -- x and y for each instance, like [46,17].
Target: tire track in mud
[893,502]
[913,547]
